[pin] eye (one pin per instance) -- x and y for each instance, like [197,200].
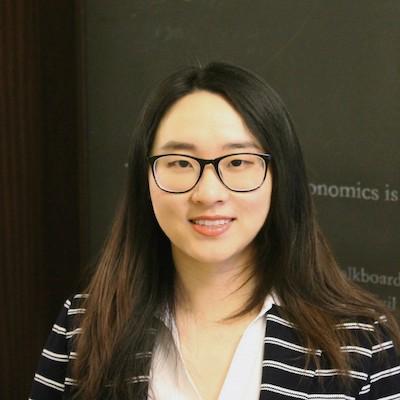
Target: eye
[183,164]
[239,163]
[236,163]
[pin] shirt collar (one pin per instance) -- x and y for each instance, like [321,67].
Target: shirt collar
[270,300]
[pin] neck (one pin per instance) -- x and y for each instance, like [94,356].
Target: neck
[211,292]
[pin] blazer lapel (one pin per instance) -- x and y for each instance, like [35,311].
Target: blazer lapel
[283,373]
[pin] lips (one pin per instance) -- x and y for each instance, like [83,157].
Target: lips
[211,225]
[208,222]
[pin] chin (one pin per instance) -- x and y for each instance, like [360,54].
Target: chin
[213,259]
[221,252]
[217,256]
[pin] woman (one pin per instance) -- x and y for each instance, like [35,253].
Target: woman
[215,281]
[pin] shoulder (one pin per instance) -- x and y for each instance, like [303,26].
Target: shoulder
[373,356]
[384,372]
[67,322]
[75,305]
[51,379]
[372,337]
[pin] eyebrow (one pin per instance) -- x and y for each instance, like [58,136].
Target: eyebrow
[173,145]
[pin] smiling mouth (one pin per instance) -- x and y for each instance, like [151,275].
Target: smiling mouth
[211,223]
[211,227]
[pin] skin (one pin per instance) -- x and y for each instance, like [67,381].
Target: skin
[212,271]
[206,122]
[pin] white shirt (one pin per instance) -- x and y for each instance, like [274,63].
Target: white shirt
[169,378]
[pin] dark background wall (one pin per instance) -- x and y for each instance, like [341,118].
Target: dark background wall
[73,76]
[335,63]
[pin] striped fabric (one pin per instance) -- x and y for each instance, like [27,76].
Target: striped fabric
[284,375]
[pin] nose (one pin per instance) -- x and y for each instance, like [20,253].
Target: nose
[209,188]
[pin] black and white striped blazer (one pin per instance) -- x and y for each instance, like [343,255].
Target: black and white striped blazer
[284,375]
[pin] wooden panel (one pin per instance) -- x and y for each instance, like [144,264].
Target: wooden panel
[42,163]
[20,212]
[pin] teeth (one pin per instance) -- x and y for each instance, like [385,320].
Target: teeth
[208,222]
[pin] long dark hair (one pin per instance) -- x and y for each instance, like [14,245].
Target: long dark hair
[134,280]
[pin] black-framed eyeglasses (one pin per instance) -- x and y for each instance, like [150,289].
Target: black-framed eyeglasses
[180,173]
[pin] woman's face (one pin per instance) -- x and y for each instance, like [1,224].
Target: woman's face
[210,223]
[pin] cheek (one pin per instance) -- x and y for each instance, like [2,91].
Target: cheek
[166,208]
[266,196]
[261,200]
[258,209]
[157,201]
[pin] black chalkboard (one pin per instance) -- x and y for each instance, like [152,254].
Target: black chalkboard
[335,63]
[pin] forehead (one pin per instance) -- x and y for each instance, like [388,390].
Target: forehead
[203,121]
